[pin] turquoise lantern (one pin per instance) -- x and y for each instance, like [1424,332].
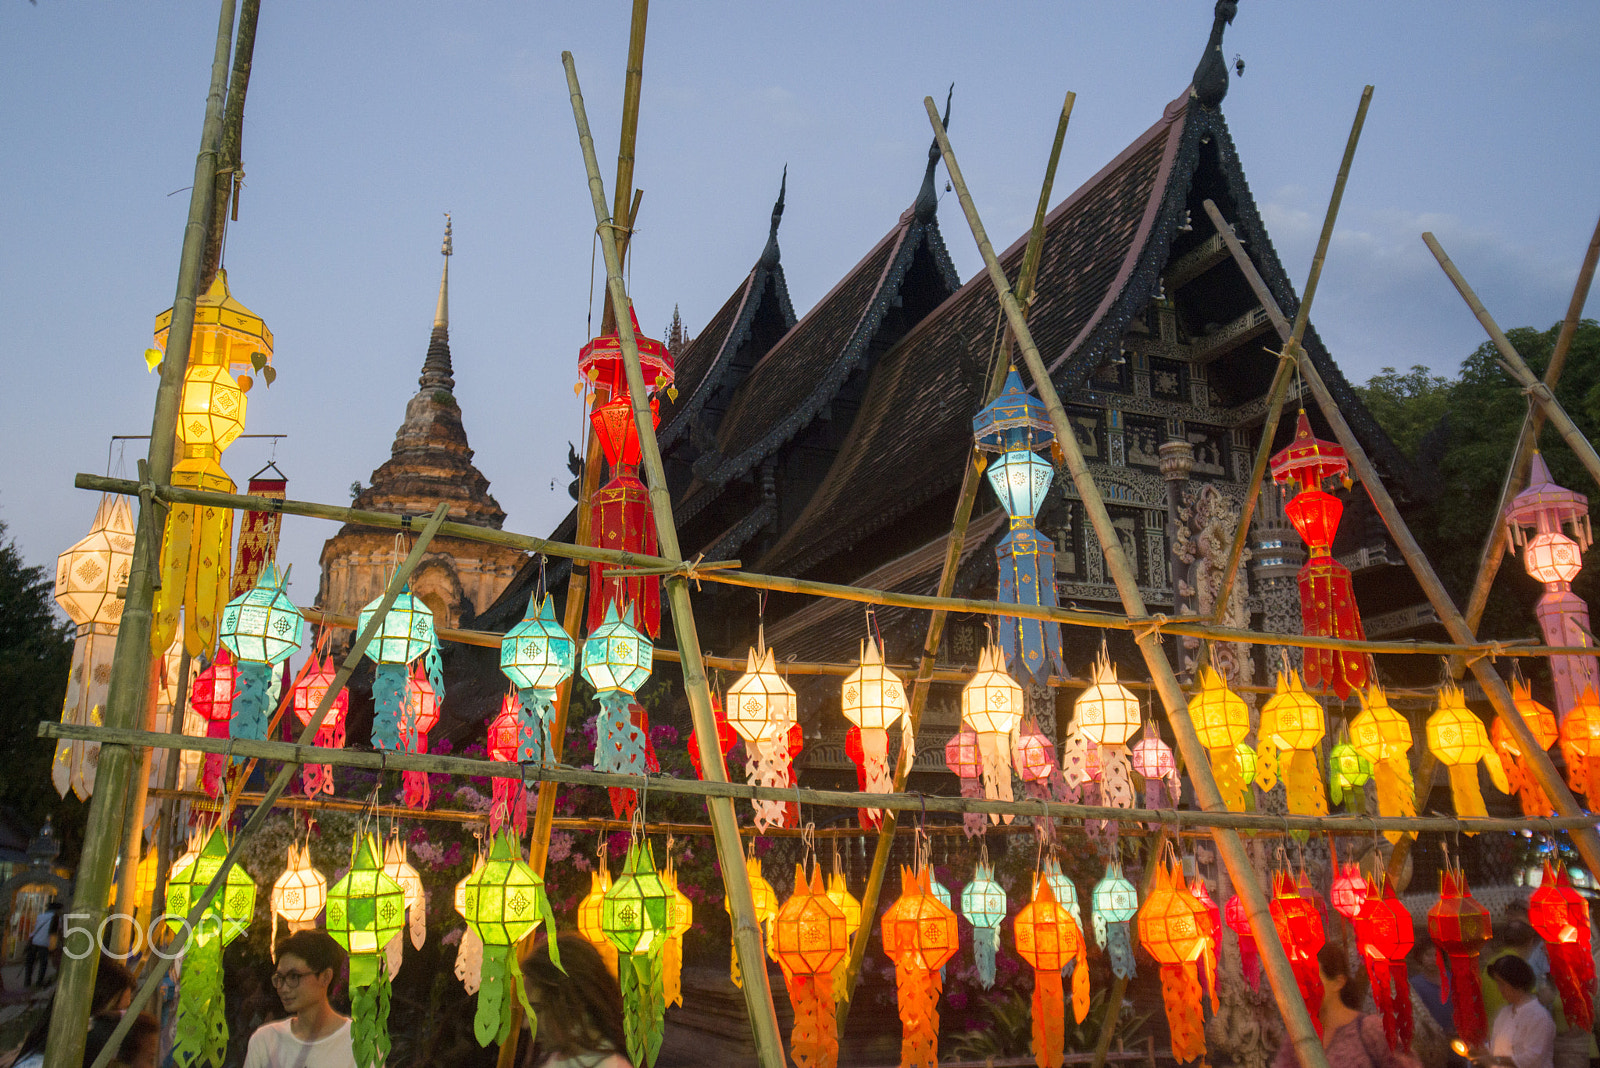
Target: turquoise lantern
[983,903]
[537,656]
[261,628]
[1116,903]
[406,634]
[616,662]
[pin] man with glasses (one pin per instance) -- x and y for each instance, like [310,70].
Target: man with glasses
[314,1035]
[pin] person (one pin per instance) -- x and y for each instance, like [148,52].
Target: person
[1350,1037]
[579,1009]
[1524,1033]
[46,931]
[314,1035]
[140,1048]
[1516,938]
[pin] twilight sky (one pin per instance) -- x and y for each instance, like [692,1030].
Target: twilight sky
[366,122]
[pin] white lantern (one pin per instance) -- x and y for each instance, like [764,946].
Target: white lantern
[992,705]
[300,892]
[397,866]
[873,699]
[761,708]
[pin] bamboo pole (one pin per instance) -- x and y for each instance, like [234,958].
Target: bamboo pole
[1302,1033]
[730,853]
[275,789]
[230,174]
[1119,987]
[133,822]
[1512,363]
[130,668]
[971,481]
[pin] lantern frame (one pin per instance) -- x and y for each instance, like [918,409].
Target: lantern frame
[761,704]
[366,909]
[992,702]
[406,633]
[537,654]
[262,624]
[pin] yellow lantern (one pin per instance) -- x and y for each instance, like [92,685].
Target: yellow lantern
[761,708]
[397,866]
[840,895]
[1222,719]
[992,705]
[873,698]
[680,917]
[589,912]
[766,902]
[299,893]
[1383,736]
[1292,722]
[211,411]
[226,333]
[1458,739]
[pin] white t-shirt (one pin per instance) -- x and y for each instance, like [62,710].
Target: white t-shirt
[1526,1034]
[274,1046]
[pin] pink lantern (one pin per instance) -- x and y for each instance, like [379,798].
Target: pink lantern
[1349,891]
[313,686]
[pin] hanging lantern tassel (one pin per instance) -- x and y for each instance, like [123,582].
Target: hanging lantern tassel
[1049,940]
[636,918]
[1239,924]
[810,938]
[1292,724]
[1561,916]
[873,698]
[617,659]
[1459,927]
[1383,736]
[1116,902]
[1169,928]
[1580,745]
[983,902]
[1384,936]
[1458,739]
[469,952]
[1221,720]
[1300,930]
[919,935]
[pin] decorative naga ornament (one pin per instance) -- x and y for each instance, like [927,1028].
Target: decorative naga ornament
[1049,940]
[809,940]
[761,709]
[1459,927]
[1384,936]
[1013,425]
[421,716]
[211,697]
[983,902]
[873,698]
[1561,916]
[299,894]
[1116,903]
[619,512]
[202,1030]
[1249,960]
[1383,736]
[258,530]
[406,634]
[1107,715]
[89,578]
[1170,930]
[1457,738]
[1327,600]
[616,662]
[1299,927]
[636,917]
[228,339]
[1541,723]
[991,707]
[366,909]
[1349,891]
[1155,763]
[261,628]
[590,910]
[840,895]
[766,905]
[1291,729]
[1348,774]
[510,798]
[919,935]
[727,738]
[504,903]
[1221,720]
[1551,526]
[314,683]
[537,656]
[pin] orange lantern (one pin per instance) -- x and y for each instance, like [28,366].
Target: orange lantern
[1580,745]
[1048,938]
[919,935]
[1170,928]
[809,938]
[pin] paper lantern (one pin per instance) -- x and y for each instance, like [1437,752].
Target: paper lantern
[727,738]
[1459,927]
[840,895]
[226,333]
[316,679]
[680,914]
[616,662]
[1349,891]
[589,911]
[761,708]
[809,940]
[1107,714]
[202,1027]
[261,628]
[1221,720]
[366,909]
[1541,723]
[1299,927]
[1116,903]
[1348,772]
[405,634]
[397,866]
[537,656]
[1327,598]
[1049,940]
[1033,756]
[1170,931]
[299,894]
[873,698]
[504,902]
[766,908]
[1551,524]
[636,917]
[1290,730]
[1249,960]
[919,935]
[983,903]
[1561,916]
[1580,745]
[1154,762]
[1384,936]
[509,798]
[991,707]
[1210,918]
[1458,739]
[1383,736]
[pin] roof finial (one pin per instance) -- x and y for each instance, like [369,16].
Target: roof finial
[441,316]
[1210,83]
[927,200]
[769,255]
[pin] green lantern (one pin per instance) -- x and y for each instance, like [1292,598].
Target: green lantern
[504,902]
[202,1025]
[636,917]
[1348,772]
[365,910]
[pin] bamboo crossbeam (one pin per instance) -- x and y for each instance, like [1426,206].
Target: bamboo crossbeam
[293,754]
[1280,976]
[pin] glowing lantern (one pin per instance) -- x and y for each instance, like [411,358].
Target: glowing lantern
[1048,939]
[1033,756]
[1383,736]
[589,912]
[766,908]
[1384,936]
[261,628]
[299,893]
[1327,599]
[991,707]
[504,903]
[616,661]
[469,951]
[1580,745]
[873,698]
[761,708]
[1154,762]
[1210,919]
[1170,930]
[1348,772]
[727,738]
[1349,891]
[1107,714]
[840,895]
[314,683]
[983,902]
[636,917]
[1221,720]
[202,1023]
[510,798]
[211,698]
[1459,927]
[1292,723]
[1458,739]
[1116,903]
[681,914]
[1299,927]
[919,935]
[810,939]
[397,866]
[403,701]
[1541,724]
[537,656]
[1239,924]
[1561,916]
[365,910]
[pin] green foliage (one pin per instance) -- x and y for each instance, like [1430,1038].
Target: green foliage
[1406,405]
[1009,1031]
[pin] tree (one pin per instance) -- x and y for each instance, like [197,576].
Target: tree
[1407,405]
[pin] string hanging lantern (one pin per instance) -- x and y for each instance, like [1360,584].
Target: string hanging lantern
[840,895]
[1292,724]
[299,893]
[1155,763]
[961,756]
[589,912]
[88,578]
[509,804]
[314,683]
[1541,723]
[616,662]
[406,634]
[1221,720]
[636,917]
[1210,920]
[919,935]
[873,698]
[1459,927]
[1384,936]
[366,909]
[619,511]
[1551,525]
[1457,738]
[469,952]
[1249,959]
[261,628]
[727,738]
[421,716]
[397,866]
[681,916]
[537,656]
[1169,929]
[1383,736]
[1116,903]
[211,697]
[1049,940]
[202,1023]
[1063,888]
[1349,891]
[983,903]
[1327,598]
[1348,773]
[1580,745]
[1561,916]
[1107,715]
[809,940]
[991,707]
[1299,927]
[761,709]
[504,903]
[765,899]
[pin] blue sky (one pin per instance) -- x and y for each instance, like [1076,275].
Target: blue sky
[366,122]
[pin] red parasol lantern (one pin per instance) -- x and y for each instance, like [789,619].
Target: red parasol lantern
[1384,936]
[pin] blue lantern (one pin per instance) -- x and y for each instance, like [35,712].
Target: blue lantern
[616,661]
[983,902]
[405,634]
[1116,903]
[537,656]
[261,628]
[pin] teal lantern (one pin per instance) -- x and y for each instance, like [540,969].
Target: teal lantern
[1116,903]
[405,634]
[504,901]
[202,1023]
[983,903]
[537,656]
[1065,892]
[636,917]
[366,909]
[1021,478]
[616,661]
[261,627]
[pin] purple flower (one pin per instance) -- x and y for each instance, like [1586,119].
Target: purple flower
[956,999]
[560,847]
[443,747]
[664,734]
[579,861]
[453,937]
[617,843]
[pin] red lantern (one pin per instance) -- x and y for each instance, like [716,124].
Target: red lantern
[1459,927]
[420,716]
[1384,936]
[1300,930]
[1239,924]
[1561,916]
[727,737]
[510,804]
[211,695]
[1349,891]
[315,681]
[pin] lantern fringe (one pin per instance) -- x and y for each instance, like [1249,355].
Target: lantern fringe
[469,960]
[919,990]
[533,739]
[767,764]
[1302,783]
[202,1028]
[492,1021]
[1228,772]
[1049,1019]
[995,753]
[1397,793]
[985,947]
[389,683]
[195,556]
[644,1020]
[620,749]
[318,778]
[369,1021]
[250,700]
[813,1043]
[1180,994]
[1119,945]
